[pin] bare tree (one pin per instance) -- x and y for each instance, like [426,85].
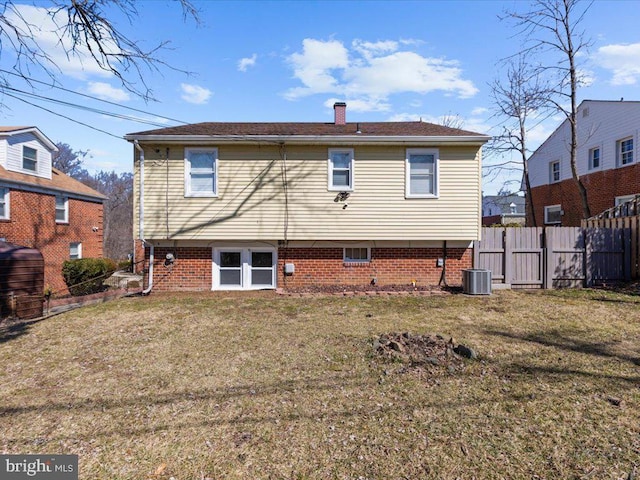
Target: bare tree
[518,102]
[86,31]
[452,120]
[552,27]
[70,161]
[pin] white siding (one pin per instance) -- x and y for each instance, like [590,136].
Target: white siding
[3,152]
[251,202]
[603,126]
[14,155]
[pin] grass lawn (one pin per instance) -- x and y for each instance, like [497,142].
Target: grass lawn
[253,385]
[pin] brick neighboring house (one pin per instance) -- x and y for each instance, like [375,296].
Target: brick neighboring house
[243,206]
[42,208]
[607,161]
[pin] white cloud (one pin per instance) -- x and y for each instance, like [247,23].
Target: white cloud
[107,92]
[479,111]
[247,62]
[44,27]
[361,105]
[195,93]
[622,60]
[372,71]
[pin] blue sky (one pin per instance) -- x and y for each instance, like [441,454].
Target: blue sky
[291,60]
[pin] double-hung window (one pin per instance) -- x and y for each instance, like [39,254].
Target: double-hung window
[341,169]
[62,209]
[75,250]
[4,203]
[554,171]
[625,151]
[421,170]
[594,158]
[29,158]
[201,172]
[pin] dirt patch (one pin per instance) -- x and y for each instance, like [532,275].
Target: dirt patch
[423,351]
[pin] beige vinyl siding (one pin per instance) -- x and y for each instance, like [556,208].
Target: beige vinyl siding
[251,201]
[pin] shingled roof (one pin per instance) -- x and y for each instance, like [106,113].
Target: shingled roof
[361,129]
[59,182]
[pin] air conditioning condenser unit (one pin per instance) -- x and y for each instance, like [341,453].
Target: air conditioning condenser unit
[476,281]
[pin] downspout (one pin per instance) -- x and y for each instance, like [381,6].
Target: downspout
[443,275]
[141,218]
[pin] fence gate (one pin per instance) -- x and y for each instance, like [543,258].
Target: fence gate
[554,257]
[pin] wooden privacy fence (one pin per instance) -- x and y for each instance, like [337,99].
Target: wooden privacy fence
[554,257]
[633,224]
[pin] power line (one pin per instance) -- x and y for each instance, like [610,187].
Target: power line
[64,116]
[83,107]
[33,80]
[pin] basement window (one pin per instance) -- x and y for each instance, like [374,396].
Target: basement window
[357,255]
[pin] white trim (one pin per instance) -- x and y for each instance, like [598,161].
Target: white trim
[187,172]
[547,208]
[436,172]
[619,150]
[330,168]
[29,187]
[66,208]
[623,199]
[6,199]
[245,267]
[590,166]
[551,164]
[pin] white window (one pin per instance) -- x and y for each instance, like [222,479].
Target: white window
[244,268]
[62,209]
[4,203]
[357,255]
[29,158]
[594,158]
[554,171]
[75,250]
[553,214]
[421,170]
[624,199]
[624,149]
[201,172]
[341,169]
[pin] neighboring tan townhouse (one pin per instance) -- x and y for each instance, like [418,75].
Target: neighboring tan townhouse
[263,205]
[607,163]
[42,208]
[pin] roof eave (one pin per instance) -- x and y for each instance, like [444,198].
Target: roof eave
[53,189]
[313,139]
[38,133]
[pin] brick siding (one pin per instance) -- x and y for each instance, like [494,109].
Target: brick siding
[33,224]
[192,269]
[602,188]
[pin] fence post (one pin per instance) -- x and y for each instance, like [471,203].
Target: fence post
[508,255]
[547,252]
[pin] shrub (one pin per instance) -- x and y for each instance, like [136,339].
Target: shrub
[87,275]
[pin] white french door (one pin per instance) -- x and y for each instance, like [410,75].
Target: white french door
[244,268]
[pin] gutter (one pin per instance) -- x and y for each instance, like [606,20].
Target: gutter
[141,219]
[319,139]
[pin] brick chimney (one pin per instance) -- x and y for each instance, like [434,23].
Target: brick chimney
[340,111]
